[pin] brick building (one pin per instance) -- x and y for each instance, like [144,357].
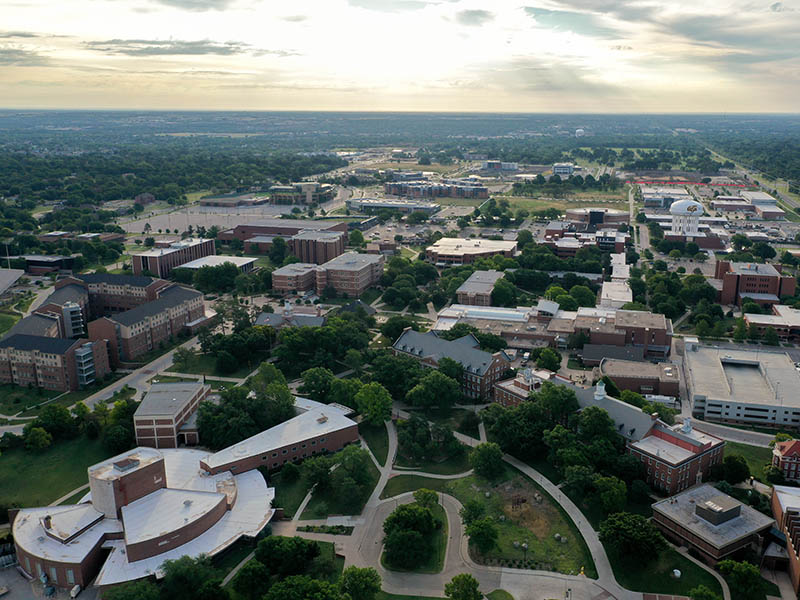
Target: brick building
[52,363]
[313,246]
[167,415]
[481,369]
[161,260]
[296,277]
[786,509]
[513,392]
[711,523]
[477,289]
[141,329]
[677,457]
[278,227]
[764,284]
[786,457]
[461,251]
[350,274]
[662,379]
[109,293]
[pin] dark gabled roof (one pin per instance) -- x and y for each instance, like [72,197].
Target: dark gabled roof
[356,304]
[170,297]
[34,324]
[294,320]
[37,342]
[114,279]
[463,350]
[69,293]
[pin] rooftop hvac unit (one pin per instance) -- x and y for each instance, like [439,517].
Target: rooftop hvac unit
[322,419]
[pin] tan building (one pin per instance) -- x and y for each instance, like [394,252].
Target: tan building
[161,261]
[303,192]
[461,251]
[167,415]
[477,289]
[350,274]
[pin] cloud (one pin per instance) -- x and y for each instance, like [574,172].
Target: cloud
[197,5]
[577,22]
[474,17]
[389,5]
[780,7]
[7,35]
[180,48]
[295,18]
[17,57]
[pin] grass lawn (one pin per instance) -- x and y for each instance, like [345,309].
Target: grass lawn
[15,399]
[386,596]
[288,495]
[71,398]
[452,465]
[328,550]
[756,456]
[377,439]
[159,351]
[322,505]
[8,320]
[206,364]
[75,498]
[381,342]
[233,555]
[536,522]
[49,474]
[574,363]
[534,204]
[369,296]
[656,576]
[25,303]
[457,419]
[499,595]
[437,541]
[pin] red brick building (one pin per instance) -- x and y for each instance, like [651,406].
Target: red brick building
[166,417]
[513,392]
[786,509]
[764,284]
[278,227]
[786,457]
[161,261]
[642,377]
[350,274]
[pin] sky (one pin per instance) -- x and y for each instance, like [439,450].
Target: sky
[616,56]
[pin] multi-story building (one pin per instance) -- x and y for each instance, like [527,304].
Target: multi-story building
[754,387]
[402,206]
[167,415]
[663,196]
[785,320]
[477,289]
[296,277]
[513,392]
[595,217]
[461,251]
[52,363]
[161,260]
[109,293]
[662,379]
[763,284]
[615,294]
[318,247]
[563,169]
[351,273]
[278,227]
[244,263]
[497,165]
[481,369]
[677,457]
[454,188]
[140,330]
[786,457]
[716,526]
[303,192]
[758,197]
[786,509]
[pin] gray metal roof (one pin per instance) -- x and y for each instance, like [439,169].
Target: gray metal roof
[34,324]
[294,320]
[8,277]
[48,345]
[632,423]
[69,293]
[169,298]
[480,282]
[463,350]
[600,351]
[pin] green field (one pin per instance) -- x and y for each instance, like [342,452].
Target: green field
[8,320]
[206,364]
[324,504]
[288,496]
[438,545]
[377,439]
[49,474]
[499,595]
[618,201]
[453,465]
[756,456]
[457,419]
[656,576]
[15,399]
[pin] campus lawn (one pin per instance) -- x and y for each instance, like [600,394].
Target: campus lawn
[75,498]
[370,295]
[15,399]
[233,555]
[69,398]
[328,503]
[437,540]
[456,419]
[452,465]
[499,595]
[377,439]
[381,342]
[288,495]
[656,576]
[38,478]
[387,596]
[532,521]
[756,456]
[206,364]
[8,320]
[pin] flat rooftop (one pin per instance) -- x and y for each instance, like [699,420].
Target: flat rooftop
[164,510]
[745,376]
[295,269]
[786,316]
[471,246]
[480,282]
[167,399]
[353,261]
[681,509]
[741,268]
[672,452]
[617,291]
[625,368]
[318,235]
[173,247]
[216,260]
[125,463]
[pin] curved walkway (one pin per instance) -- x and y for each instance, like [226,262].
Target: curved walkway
[397,472]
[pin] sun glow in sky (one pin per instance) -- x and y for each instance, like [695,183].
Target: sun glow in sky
[458,55]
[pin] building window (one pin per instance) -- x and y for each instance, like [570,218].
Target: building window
[53,575]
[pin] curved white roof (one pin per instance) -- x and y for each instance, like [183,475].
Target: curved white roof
[686,207]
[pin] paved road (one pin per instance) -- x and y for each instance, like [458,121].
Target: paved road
[734,435]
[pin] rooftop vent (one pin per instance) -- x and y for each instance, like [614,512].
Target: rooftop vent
[322,419]
[187,503]
[126,464]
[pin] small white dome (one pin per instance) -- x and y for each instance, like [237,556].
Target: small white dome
[686,207]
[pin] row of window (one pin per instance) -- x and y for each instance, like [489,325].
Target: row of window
[52,574]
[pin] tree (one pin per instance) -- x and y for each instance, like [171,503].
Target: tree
[182,357]
[740,331]
[317,383]
[117,438]
[316,471]
[701,592]
[360,584]
[771,337]
[426,498]
[549,359]
[453,369]
[471,511]
[406,549]
[780,437]
[303,587]
[286,556]
[463,587]
[435,388]
[356,238]
[37,439]
[583,295]
[487,460]
[374,402]
[774,475]
[226,362]
[278,251]
[735,468]
[354,360]
[483,533]
[612,493]
[395,325]
[253,579]
[504,293]
[633,535]
[410,517]
[578,478]
[189,577]
[132,590]
[753,333]
[744,579]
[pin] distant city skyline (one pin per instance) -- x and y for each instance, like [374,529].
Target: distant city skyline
[590,56]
